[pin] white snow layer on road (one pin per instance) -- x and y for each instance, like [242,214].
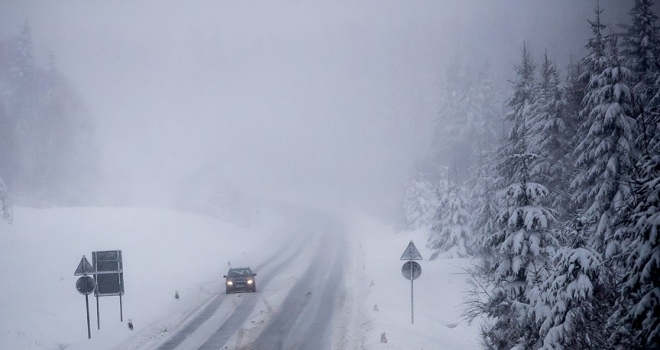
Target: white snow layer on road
[166,251]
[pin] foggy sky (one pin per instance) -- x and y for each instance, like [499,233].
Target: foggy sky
[314,100]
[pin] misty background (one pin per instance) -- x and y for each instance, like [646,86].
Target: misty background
[327,103]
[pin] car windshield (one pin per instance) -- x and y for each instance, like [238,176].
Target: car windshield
[239,272]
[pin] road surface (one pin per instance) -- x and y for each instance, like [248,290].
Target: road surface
[311,267]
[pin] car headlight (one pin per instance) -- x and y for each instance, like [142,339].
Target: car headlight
[249,281]
[230,283]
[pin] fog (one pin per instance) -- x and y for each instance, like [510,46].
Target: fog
[320,101]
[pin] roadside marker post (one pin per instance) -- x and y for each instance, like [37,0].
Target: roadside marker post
[85,286]
[411,270]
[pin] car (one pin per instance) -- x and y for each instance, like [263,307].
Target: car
[240,279]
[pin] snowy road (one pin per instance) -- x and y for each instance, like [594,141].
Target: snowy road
[299,290]
[305,317]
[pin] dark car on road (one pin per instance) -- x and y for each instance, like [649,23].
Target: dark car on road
[240,279]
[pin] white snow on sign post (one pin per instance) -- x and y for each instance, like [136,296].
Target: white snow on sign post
[411,253]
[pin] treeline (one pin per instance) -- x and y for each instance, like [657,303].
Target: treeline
[47,151]
[558,195]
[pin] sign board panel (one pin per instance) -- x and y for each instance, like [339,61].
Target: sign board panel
[109,284]
[108,261]
[411,253]
[109,272]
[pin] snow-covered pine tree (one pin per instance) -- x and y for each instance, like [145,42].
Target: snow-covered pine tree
[519,111]
[522,242]
[467,113]
[451,232]
[641,48]
[606,155]
[483,185]
[488,123]
[450,125]
[22,104]
[419,203]
[549,139]
[484,181]
[604,160]
[580,77]
[576,83]
[47,148]
[483,201]
[440,189]
[640,40]
[567,303]
[638,308]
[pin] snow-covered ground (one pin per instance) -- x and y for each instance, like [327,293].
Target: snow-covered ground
[438,293]
[166,251]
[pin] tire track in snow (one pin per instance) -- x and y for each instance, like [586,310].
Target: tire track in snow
[299,325]
[241,313]
[216,301]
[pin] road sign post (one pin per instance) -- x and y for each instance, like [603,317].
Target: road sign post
[411,270]
[85,285]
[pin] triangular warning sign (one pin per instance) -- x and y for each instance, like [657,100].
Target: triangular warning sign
[411,253]
[84,268]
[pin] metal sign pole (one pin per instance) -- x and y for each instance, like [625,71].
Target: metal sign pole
[411,270]
[89,330]
[121,309]
[412,301]
[86,285]
[98,317]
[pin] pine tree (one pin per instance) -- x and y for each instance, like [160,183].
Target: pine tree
[484,180]
[576,84]
[484,208]
[519,111]
[567,302]
[584,73]
[604,159]
[47,149]
[488,123]
[467,114]
[606,154]
[419,203]
[522,242]
[638,306]
[641,47]
[451,126]
[549,139]
[640,41]
[451,232]
[522,245]
[22,104]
